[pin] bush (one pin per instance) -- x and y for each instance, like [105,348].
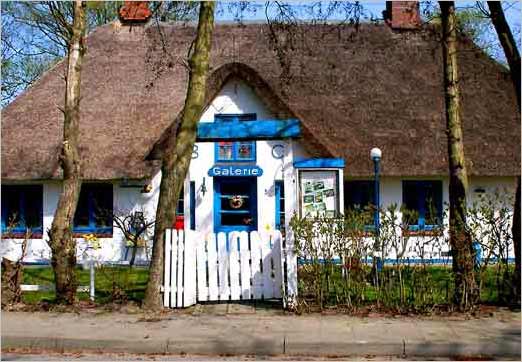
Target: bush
[342,263]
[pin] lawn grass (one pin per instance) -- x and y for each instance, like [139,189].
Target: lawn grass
[110,282]
[423,286]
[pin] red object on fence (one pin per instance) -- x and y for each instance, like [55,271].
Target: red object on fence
[179,223]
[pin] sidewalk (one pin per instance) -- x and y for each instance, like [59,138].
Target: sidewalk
[235,330]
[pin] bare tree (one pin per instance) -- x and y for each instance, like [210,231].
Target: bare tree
[134,226]
[506,39]
[466,291]
[61,240]
[505,36]
[178,150]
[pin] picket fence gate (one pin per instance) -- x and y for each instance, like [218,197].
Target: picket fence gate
[226,267]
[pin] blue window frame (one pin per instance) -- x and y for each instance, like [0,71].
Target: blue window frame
[359,195]
[235,204]
[240,151]
[280,206]
[424,199]
[22,209]
[94,210]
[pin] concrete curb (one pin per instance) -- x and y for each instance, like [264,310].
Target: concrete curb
[265,346]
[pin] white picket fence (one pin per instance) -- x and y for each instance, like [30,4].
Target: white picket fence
[226,267]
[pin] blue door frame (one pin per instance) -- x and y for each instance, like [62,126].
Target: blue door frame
[219,182]
[279,206]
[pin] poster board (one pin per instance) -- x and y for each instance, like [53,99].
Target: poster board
[318,193]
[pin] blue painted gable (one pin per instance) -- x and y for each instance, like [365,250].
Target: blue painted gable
[249,130]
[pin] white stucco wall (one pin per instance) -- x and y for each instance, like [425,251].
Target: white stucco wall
[236,97]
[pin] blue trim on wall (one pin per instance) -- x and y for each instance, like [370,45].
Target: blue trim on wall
[249,130]
[320,163]
[278,190]
[192,205]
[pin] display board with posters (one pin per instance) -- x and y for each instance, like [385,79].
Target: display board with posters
[319,193]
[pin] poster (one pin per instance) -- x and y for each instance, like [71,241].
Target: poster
[319,196]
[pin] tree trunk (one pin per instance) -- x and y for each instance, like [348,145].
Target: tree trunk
[12,275]
[178,151]
[61,241]
[508,43]
[466,292]
[516,242]
[505,36]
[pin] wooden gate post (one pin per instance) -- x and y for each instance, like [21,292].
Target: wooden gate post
[167,267]
[291,271]
[190,269]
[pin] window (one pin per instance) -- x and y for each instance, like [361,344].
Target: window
[22,209]
[94,210]
[235,203]
[423,203]
[280,206]
[240,151]
[359,201]
[359,195]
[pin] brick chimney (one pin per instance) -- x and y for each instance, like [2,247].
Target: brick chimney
[135,12]
[402,15]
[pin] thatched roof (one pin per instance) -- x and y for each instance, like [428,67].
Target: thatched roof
[352,90]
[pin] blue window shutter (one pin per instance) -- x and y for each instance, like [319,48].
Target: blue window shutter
[278,193]
[192,205]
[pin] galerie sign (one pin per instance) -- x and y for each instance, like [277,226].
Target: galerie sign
[235,171]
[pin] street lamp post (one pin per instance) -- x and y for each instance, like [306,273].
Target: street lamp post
[375,155]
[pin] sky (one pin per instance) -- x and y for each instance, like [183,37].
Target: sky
[372,10]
